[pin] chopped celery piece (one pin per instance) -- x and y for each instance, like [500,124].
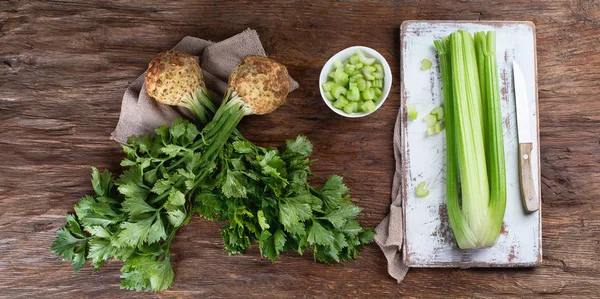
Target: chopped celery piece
[378,67]
[364,59]
[340,103]
[359,66]
[431,130]
[368,106]
[352,85]
[329,86]
[358,76]
[340,77]
[354,59]
[369,69]
[362,84]
[338,91]
[425,64]
[378,75]
[421,190]
[411,109]
[369,84]
[438,112]
[329,96]
[368,75]
[337,64]
[353,94]
[349,69]
[351,107]
[438,127]
[430,119]
[368,94]
[331,75]
[412,115]
[378,91]
[378,83]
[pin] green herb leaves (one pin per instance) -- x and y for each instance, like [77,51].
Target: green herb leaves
[260,194]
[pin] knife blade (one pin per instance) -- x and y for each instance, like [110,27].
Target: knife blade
[528,194]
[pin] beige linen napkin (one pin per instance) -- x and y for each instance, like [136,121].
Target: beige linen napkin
[389,234]
[140,114]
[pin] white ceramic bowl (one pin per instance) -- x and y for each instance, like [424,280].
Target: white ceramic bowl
[344,55]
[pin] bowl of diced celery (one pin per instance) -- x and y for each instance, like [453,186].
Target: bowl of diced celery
[355,82]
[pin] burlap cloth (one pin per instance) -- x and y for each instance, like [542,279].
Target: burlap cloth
[140,114]
[389,234]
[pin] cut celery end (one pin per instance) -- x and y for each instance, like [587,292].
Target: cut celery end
[338,91]
[438,112]
[354,59]
[378,67]
[350,108]
[359,66]
[331,75]
[362,84]
[340,103]
[325,87]
[378,75]
[328,96]
[411,109]
[430,119]
[352,85]
[368,106]
[425,64]
[369,76]
[421,190]
[369,84]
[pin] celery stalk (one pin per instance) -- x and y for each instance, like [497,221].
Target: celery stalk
[475,147]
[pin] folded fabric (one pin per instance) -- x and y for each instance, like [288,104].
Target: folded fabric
[389,234]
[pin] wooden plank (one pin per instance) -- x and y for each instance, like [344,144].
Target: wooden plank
[65,64]
[429,240]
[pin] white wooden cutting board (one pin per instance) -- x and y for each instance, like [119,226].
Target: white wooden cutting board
[429,241]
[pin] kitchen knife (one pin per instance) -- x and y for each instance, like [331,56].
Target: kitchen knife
[528,195]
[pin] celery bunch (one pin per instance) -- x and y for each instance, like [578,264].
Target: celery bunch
[475,146]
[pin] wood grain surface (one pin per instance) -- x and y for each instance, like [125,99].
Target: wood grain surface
[64,66]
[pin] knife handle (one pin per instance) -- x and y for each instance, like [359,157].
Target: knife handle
[528,195]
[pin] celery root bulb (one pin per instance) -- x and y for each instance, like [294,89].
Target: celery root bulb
[261,83]
[172,75]
[175,78]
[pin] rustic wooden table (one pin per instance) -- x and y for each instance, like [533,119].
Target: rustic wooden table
[64,67]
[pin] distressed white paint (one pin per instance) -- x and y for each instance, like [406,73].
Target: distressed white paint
[429,241]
